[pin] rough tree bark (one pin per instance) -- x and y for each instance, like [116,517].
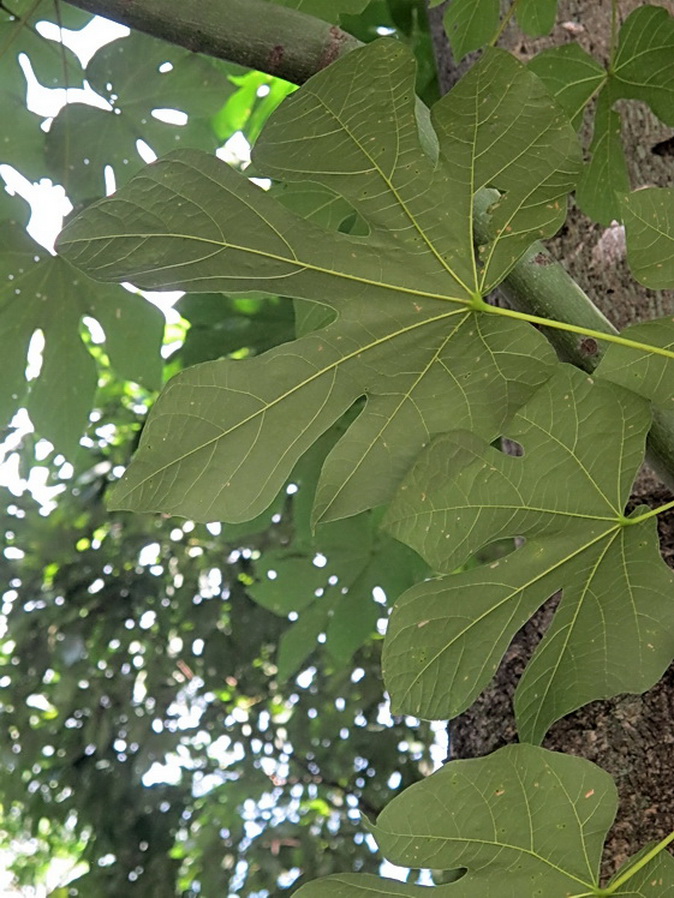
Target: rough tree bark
[633,736]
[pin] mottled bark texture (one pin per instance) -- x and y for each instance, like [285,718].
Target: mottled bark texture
[633,736]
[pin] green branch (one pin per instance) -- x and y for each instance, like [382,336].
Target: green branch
[292,45]
[254,33]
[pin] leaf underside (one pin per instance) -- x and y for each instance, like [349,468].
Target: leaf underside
[403,338]
[649,226]
[521,821]
[583,444]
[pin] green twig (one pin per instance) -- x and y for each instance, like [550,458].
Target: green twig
[253,33]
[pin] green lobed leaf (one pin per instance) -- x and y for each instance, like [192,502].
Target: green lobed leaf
[22,145]
[648,215]
[583,445]
[137,75]
[571,75]
[607,166]
[654,878]
[643,68]
[522,821]
[645,373]
[402,291]
[43,291]
[471,24]
[536,17]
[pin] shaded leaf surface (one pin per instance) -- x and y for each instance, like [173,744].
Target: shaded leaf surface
[190,222]
[523,821]
[643,69]
[54,65]
[649,227]
[136,75]
[470,24]
[648,374]
[644,65]
[608,166]
[571,75]
[583,445]
[43,291]
[536,17]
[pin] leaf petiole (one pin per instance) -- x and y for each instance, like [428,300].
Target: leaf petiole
[582,331]
[638,865]
[661,509]
[504,23]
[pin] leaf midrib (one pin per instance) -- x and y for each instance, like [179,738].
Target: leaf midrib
[389,184]
[396,288]
[517,591]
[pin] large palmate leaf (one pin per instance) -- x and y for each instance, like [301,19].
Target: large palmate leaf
[583,444]
[43,291]
[522,822]
[649,227]
[225,435]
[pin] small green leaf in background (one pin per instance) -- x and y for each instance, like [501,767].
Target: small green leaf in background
[522,821]
[471,24]
[571,75]
[649,227]
[333,592]
[221,325]
[643,69]
[22,143]
[607,166]
[536,17]
[648,374]
[43,291]
[402,291]
[299,641]
[583,445]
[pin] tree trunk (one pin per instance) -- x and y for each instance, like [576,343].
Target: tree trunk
[632,737]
